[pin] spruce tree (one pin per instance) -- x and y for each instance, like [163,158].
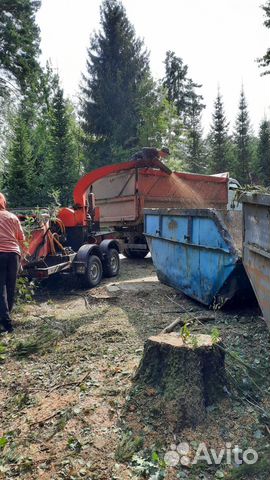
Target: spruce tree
[195,149]
[242,140]
[264,153]
[21,178]
[62,161]
[116,87]
[181,89]
[19,44]
[265,60]
[218,139]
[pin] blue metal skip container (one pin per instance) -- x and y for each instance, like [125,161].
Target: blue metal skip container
[194,252]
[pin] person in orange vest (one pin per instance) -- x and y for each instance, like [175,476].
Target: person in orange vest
[11,239]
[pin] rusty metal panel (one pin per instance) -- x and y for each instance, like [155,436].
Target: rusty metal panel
[185,189]
[256,247]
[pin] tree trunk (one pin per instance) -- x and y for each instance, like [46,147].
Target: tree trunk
[176,381]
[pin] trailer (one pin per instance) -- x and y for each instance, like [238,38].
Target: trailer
[48,250]
[256,247]
[122,191]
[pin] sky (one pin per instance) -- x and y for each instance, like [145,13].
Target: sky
[219,40]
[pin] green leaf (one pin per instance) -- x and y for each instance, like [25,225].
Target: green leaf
[3,442]
[155,457]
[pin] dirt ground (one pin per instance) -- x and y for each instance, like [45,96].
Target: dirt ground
[66,373]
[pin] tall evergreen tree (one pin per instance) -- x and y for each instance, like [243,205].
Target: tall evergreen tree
[218,139]
[62,163]
[264,153]
[242,140]
[116,87]
[181,89]
[195,149]
[21,179]
[44,152]
[19,44]
[265,60]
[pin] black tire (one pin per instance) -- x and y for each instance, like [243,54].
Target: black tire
[112,265]
[94,272]
[135,254]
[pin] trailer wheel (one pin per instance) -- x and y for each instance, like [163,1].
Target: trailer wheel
[112,266]
[135,253]
[94,271]
[132,252]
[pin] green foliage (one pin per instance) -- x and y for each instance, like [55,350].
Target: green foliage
[2,353]
[44,153]
[181,89]
[181,93]
[265,60]
[116,88]
[143,467]
[195,155]
[63,168]
[3,442]
[185,333]
[19,47]
[194,341]
[242,139]
[21,167]
[49,334]
[127,447]
[263,166]
[162,126]
[215,335]
[74,444]
[25,290]
[25,349]
[219,139]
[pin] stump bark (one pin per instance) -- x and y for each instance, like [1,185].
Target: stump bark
[176,381]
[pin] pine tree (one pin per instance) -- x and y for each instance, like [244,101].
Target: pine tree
[218,139]
[264,153]
[116,87]
[242,140]
[19,44]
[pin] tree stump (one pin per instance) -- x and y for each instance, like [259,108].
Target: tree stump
[176,381]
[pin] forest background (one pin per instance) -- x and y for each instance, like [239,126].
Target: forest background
[47,142]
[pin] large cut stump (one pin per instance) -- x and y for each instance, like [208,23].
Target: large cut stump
[176,381]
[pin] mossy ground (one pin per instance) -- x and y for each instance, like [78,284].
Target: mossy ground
[66,374]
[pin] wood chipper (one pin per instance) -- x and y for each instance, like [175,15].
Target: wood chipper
[50,249]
